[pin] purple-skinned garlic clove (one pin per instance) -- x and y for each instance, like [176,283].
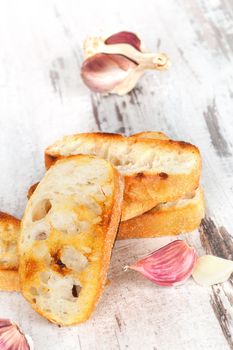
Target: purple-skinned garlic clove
[170,265]
[103,72]
[124,38]
[125,60]
[12,338]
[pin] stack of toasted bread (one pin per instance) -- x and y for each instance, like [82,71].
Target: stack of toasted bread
[97,187]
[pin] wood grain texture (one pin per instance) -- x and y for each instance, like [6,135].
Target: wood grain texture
[42,98]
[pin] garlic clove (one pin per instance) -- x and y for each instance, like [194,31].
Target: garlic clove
[5,323]
[12,338]
[210,270]
[124,38]
[170,265]
[103,72]
[115,64]
[95,45]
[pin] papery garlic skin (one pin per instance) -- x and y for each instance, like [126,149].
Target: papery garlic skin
[210,270]
[148,60]
[92,45]
[12,338]
[30,341]
[170,265]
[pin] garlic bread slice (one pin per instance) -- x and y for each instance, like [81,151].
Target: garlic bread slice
[156,169]
[67,234]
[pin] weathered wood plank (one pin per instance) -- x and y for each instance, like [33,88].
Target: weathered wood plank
[42,98]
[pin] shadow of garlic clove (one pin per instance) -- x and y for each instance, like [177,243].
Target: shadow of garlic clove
[170,265]
[115,64]
[12,338]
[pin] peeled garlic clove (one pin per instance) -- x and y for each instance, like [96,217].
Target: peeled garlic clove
[211,270]
[103,72]
[124,38]
[170,265]
[12,338]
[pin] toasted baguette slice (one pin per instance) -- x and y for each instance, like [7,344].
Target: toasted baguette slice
[67,234]
[155,170]
[166,219]
[9,233]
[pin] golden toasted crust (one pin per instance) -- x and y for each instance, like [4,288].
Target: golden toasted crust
[32,189]
[143,189]
[155,189]
[9,281]
[93,277]
[9,232]
[151,135]
[166,219]
[6,218]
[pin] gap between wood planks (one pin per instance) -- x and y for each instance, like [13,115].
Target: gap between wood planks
[217,241]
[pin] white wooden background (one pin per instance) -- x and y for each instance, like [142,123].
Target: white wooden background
[42,98]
